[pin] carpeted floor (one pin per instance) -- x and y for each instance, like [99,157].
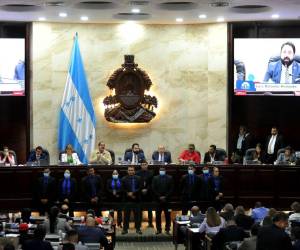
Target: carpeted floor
[165,245]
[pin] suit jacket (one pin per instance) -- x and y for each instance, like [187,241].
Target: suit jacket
[127,187]
[190,191]
[128,156]
[227,234]
[37,245]
[274,72]
[167,156]
[73,190]
[244,221]
[92,235]
[162,186]
[278,143]
[86,187]
[76,161]
[207,157]
[146,181]
[46,192]
[32,157]
[247,143]
[273,238]
[197,219]
[207,189]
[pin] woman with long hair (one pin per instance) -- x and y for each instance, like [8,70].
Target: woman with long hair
[212,223]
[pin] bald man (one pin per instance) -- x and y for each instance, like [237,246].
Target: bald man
[92,234]
[162,155]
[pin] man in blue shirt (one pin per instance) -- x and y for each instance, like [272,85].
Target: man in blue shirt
[259,212]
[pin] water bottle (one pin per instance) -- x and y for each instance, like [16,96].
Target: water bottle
[120,160]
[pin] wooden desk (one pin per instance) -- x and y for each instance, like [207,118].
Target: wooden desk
[177,237]
[274,186]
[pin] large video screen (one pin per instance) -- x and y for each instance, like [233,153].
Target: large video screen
[267,66]
[12,66]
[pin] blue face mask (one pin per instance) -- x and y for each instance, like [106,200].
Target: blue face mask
[115,176]
[67,175]
[190,171]
[162,172]
[46,175]
[206,171]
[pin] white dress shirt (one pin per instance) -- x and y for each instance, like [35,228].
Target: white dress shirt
[286,77]
[271,145]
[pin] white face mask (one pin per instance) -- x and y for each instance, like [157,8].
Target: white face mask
[46,174]
[205,171]
[190,171]
[115,176]
[162,172]
[67,175]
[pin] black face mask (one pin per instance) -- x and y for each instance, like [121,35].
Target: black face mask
[65,211]
[288,62]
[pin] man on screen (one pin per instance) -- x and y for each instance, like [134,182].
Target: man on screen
[285,70]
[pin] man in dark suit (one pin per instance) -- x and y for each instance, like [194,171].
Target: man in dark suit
[162,155]
[45,192]
[243,142]
[286,70]
[134,156]
[146,176]
[92,188]
[38,242]
[67,189]
[212,155]
[230,233]
[274,237]
[273,144]
[131,190]
[190,186]
[38,155]
[162,187]
[217,188]
[92,234]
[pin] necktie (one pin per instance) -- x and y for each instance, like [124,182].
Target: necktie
[132,184]
[287,75]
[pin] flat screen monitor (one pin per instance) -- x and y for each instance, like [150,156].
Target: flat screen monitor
[12,66]
[267,66]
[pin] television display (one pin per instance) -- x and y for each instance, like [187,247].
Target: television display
[267,66]
[12,66]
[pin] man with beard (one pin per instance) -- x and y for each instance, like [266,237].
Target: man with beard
[134,156]
[286,70]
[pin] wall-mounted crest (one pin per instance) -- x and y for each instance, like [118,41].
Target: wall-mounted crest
[129,104]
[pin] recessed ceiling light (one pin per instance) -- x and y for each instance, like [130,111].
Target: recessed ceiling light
[275,16]
[63,14]
[220,19]
[179,20]
[42,18]
[84,18]
[135,10]
[202,16]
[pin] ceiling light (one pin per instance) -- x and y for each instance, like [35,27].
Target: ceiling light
[220,19]
[63,14]
[202,16]
[135,10]
[42,18]
[84,18]
[179,20]
[275,16]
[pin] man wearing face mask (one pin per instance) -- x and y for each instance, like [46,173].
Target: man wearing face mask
[114,189]
[190,186]
[162,188]
[92,188]
[45,192]
[206,193]
[67,189]
[286,70]
[146,176]
[134,156]
[131,184]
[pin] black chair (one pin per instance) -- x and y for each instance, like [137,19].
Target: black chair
[281,150]
[222,153]
[248,154]
[130,149]
[112,154]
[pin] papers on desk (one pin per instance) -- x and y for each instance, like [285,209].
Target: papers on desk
[183,222]
[194,230]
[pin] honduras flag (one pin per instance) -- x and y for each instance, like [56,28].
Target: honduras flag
[77,120]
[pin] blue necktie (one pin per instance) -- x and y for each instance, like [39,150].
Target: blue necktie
[132,184]
[191,180]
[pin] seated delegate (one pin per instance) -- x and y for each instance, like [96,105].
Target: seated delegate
[38,155]
[7,157]
[70,156]
[190,155]
[288,157]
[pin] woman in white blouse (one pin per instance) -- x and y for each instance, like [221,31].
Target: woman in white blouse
[69,156]
[7,157]
[212,223]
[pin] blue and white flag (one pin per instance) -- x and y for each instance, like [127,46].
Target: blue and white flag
[77,120]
